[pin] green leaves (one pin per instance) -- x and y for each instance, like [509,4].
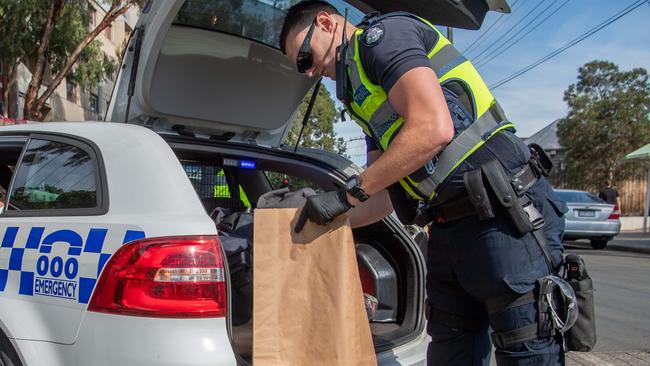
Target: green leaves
[319,132]
[608,118]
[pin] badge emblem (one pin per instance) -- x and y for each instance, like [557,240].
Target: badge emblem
[373,35]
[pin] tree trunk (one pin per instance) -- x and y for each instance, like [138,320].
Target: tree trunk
[5,81]
[110,16]
[29,110]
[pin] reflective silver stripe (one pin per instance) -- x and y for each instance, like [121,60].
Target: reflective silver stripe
[383,117]
[446,59]
[453,153]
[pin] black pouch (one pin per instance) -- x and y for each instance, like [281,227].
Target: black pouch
[582,336]
[500,183]
[540,160]
[478,194]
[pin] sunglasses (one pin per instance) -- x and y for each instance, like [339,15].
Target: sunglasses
[305,59]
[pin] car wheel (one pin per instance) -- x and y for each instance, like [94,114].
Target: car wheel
[599,243]
[8,355]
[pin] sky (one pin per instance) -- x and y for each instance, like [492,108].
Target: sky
[535,99]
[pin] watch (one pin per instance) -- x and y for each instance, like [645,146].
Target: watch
[353,187]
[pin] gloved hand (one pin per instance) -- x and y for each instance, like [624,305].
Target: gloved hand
[323,208]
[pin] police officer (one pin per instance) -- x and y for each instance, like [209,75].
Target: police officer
[435,131]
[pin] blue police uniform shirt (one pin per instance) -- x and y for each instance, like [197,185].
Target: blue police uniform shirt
[400,43]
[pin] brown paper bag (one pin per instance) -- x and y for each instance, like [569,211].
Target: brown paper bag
[308,304]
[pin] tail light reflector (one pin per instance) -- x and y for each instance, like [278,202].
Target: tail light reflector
[170,277]
[615,214]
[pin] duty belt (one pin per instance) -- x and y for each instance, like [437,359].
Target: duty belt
[465,206]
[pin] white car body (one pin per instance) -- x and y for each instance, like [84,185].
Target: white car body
[52,331]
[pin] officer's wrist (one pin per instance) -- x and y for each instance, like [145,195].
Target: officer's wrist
[351,200]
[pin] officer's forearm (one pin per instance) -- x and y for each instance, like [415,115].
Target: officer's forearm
[372,210]
[410,150]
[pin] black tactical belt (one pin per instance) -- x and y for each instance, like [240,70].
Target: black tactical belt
[464,207]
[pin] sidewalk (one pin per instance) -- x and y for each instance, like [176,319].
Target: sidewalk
[627,241]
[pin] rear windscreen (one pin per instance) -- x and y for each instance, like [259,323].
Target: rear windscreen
[259,20]
[578,197]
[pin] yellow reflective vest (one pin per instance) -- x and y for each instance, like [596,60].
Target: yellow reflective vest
[372,111]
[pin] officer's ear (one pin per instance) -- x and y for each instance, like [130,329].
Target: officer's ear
[325,22]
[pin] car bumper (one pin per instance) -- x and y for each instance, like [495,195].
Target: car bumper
[126,340]
[589,229]
[410,354]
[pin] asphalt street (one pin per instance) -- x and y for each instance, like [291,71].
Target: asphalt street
[621,275]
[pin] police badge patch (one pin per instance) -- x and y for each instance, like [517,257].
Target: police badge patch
[373,35]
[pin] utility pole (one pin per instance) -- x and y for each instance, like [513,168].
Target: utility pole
[450,34]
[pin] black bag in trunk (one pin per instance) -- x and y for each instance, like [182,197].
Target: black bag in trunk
[238,254]
[235,234]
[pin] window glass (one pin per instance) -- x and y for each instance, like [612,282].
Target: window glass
[281,180]
[54,175]
[93,103]
[209,181]
[10,149]
[579,197]
[260,20]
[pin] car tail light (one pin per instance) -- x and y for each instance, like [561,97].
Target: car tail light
[172,277]
[616,213]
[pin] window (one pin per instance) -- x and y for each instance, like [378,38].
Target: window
[93,103]
[109,32]
[54,175]
[71,91]
[210,181]
[578,197]
[260,20]
[10,149]
[281,180]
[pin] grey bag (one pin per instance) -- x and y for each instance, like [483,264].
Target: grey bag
[282,198]
[582,336]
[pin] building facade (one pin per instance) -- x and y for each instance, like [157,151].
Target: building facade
[71,102]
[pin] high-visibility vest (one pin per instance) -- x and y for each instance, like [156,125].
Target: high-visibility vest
[222,190]
[372,111]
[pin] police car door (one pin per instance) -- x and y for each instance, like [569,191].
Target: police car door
[54,235]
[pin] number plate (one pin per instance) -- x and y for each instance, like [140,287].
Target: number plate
[586,213]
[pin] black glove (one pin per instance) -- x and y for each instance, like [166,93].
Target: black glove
[323,208]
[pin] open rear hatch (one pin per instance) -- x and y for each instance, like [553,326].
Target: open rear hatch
[213,68]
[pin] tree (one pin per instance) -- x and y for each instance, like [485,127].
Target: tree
[55,36]
[319,134]
[319,131]
[608,118]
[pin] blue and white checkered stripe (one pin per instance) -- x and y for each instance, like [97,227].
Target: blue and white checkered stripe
[81,258]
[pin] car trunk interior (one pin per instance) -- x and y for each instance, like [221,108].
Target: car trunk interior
[397,286]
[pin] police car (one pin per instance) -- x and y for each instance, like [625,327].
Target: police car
[108,251]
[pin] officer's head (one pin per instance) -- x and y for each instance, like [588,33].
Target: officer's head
[310,34]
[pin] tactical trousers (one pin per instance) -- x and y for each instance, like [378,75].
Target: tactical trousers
[471,261]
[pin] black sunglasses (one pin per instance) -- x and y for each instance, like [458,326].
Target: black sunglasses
[305,59]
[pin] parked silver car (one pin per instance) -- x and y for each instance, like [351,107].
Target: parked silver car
[589,217]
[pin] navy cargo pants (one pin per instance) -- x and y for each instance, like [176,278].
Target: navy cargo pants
[470,261]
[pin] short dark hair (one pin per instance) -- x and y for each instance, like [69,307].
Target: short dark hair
[302,14]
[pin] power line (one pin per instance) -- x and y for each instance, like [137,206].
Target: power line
[499,51]
[510,29]
[602,25]
[487,31]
